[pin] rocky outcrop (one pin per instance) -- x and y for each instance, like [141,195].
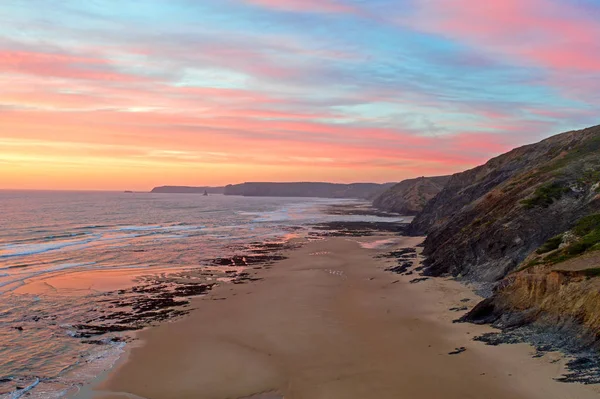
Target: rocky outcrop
[526,227]
[487,220]
[366,191]
[409,197]
[556,286]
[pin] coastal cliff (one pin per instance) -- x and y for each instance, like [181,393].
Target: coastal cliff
[526,228]
[409,197]
[556,288]
[366,191]
[487,220]
[188,190]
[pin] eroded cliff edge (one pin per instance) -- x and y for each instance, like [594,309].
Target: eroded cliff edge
[525,227]
[487,220]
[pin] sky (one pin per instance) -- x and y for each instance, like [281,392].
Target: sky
[119,95]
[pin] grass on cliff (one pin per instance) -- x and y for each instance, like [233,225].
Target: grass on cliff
[587,231]
[545,195]
[583,150]
[550,245]
[587,239]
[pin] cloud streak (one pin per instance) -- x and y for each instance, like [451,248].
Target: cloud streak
[225,91]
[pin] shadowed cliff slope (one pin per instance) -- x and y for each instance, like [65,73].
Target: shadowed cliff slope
[487,220]
[409,197]
[554,294]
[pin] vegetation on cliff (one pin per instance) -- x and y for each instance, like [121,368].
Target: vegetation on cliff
[526,224]
[488,220]
[583,238]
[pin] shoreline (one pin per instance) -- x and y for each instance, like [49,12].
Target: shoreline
[370,333]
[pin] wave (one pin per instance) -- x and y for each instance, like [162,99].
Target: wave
[13,250]
[60,241]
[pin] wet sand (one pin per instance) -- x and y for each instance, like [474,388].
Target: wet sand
[330,323]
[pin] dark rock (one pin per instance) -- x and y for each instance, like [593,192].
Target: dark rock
[485,312]
[399,253]
[400,269]
[409,197]
[458,351]
[357,229]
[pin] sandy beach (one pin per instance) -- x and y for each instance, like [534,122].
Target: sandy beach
[330,323]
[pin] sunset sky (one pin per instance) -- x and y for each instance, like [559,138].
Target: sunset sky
[133,94]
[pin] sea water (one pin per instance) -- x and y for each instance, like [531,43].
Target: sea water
[63,253]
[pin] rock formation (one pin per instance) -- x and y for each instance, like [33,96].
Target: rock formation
[487,220]
[526,225]
[409,197]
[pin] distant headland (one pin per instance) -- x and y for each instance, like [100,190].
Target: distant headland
[294,189]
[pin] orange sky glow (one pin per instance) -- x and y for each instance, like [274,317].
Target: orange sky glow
[112,97]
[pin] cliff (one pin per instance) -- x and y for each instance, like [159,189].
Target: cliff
[306,189]
[188,190]
[556,289]
[409,197]
[526,227]
[487,220]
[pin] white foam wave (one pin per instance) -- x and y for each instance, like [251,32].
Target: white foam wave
[12,250]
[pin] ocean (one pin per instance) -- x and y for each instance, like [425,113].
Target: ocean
[72,263]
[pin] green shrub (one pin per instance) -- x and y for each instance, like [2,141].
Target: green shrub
[589,177]
[550,245]
[588,230]
[576,248]
[558,257]
[545,195]
[587,224]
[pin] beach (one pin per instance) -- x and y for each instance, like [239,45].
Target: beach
[330,322]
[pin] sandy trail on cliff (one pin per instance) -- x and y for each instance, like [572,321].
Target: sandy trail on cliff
[330,323]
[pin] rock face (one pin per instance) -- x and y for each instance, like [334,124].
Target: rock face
[556,287]
[487,220]
[527,225]
[409,197]
[305,189]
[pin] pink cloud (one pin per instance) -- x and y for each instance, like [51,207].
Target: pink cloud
[61,65]
[261,142]
[309,6]
[544,33]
